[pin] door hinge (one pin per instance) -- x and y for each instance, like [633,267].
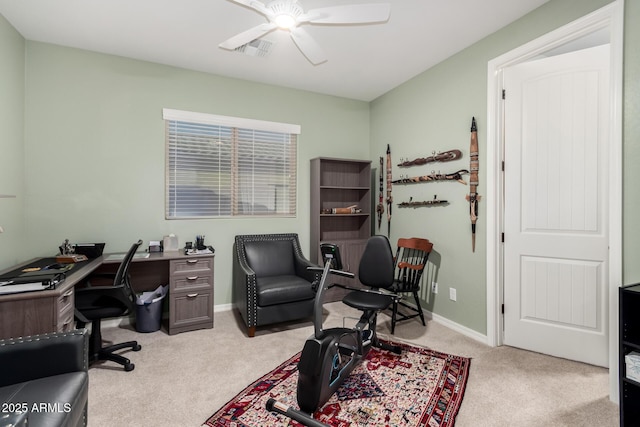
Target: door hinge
[502,237]
[504,94]
[502,310]
[503,166]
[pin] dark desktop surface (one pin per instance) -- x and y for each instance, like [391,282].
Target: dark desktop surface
[42,267]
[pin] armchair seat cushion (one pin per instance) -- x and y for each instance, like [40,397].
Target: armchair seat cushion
[51,401]
[283,289]
[44,380]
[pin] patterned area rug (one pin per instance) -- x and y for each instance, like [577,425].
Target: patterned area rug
[420,387]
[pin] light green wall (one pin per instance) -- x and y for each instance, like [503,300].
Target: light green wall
[631,148]
[11,144]
[433,111]
[95,143]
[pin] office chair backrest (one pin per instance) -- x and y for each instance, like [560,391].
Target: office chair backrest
[122,275]
[376,265]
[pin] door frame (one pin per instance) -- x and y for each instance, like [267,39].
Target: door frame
[609,17]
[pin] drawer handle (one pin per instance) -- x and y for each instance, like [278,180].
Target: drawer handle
[67,294]
[192,261]
[192,295]
[192,277]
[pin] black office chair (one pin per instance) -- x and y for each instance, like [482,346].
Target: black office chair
[94,303]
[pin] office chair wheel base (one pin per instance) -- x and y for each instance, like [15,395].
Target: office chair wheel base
[129,367]
[138,347]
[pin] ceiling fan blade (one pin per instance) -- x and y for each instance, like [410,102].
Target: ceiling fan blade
[255,5]
[247,36]
[349,14]
[308,46]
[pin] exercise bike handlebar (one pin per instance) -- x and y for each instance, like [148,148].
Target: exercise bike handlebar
[332,271]
[294,414]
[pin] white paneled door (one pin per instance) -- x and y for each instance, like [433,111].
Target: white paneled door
[556,203]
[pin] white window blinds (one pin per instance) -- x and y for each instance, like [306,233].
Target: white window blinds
[218,166]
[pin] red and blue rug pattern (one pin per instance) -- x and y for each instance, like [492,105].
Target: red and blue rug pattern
[420,387]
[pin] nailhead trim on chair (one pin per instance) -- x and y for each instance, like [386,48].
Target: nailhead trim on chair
[47,336]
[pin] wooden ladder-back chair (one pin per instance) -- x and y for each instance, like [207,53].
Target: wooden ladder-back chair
[411,257]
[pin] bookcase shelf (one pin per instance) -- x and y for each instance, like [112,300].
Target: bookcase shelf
[340,183]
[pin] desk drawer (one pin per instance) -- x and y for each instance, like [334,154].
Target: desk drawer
[191,310]
[65,301]
[66,321]
[65,311]
[191,265]
[192,283]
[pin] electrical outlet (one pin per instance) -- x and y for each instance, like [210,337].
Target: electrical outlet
[452,294]
[434,287]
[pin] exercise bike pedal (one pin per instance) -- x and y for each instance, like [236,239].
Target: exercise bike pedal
[392,348]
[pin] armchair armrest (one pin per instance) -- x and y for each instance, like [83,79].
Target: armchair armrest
[302,271]
[38,356]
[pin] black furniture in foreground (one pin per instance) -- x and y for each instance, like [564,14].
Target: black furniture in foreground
[94,303]
[629,355]
[271,283]
[48,371]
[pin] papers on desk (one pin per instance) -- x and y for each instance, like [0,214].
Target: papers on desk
[11,288]
[199,251]
[111,257]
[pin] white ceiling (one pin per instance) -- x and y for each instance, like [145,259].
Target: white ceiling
[365,61]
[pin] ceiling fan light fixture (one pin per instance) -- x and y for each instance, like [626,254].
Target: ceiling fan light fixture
[285,21]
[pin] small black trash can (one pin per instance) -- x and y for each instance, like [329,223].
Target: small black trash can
[149,309]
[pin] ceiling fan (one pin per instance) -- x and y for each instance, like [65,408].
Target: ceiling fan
[288,15]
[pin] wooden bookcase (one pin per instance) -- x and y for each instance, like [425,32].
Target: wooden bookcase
[339,183]
[629,341]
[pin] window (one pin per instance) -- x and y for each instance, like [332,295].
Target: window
[218,166]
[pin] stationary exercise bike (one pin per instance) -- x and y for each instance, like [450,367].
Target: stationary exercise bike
[329,355]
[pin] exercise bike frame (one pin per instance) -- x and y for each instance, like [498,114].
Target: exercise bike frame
[329,355]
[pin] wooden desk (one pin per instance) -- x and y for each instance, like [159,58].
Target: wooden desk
[190,280]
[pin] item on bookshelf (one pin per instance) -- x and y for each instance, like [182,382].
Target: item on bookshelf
[632,365]
[380,208]
[473,198]
[353,209]
[412,204]
[453,176]
[446,156]
[389,197]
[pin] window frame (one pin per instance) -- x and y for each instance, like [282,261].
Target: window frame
[236,126]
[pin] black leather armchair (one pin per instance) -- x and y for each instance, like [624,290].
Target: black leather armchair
[44,380]
[271,283]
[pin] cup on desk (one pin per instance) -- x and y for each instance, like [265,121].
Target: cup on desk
[200,243]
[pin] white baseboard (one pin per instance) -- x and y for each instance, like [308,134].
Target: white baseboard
[222,307]
[457,327]
[125,321]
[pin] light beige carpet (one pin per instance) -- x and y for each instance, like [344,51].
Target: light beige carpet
[183,379]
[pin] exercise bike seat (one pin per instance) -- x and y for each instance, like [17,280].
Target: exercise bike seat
[367,301]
